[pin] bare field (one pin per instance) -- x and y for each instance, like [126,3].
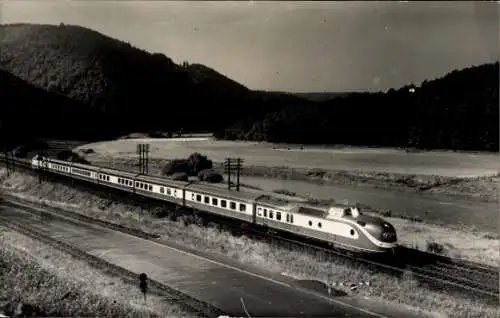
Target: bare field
[58,285]
[465,175]
[383,288]
[447,164]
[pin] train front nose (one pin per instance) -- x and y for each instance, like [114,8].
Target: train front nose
[379,229]
[388,235]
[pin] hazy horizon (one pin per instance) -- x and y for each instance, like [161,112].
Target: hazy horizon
[293,46]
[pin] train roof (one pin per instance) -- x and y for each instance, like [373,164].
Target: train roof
[263,196]
[116,172]
[61,162]
[83,166]
[313,211]
[162,181]
[283,201]
[210,189]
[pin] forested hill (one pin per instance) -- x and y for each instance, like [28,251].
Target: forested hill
[457,111]
[27,111]
[85,82]
[133,90]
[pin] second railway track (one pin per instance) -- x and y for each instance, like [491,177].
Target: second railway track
[37,231]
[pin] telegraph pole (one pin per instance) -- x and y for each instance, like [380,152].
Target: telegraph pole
[6,156]
[238,169]
[147,158]
[232,164]
[4,142]
[227,167]
[42,161]
[143,152]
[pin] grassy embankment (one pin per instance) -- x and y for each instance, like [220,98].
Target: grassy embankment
[53,283]
[384,288]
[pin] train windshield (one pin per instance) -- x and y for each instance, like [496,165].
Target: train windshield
[353,212]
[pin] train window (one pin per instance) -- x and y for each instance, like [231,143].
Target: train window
[150,188]
[214,201]
[265,213]
[310,223]
[352,232]
[223,203]
[162,190]
[192,196]
[271,214]
[347,212]
[207,199]
[259,211]
[242,207]
[198,198]
[108,178]
[288,218]
[319,224]
[291,218]
[232,205]
[169,192]
[120,180]
[175,192]
[278,216]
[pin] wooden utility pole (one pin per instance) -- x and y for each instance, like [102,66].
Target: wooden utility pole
[143,152]
[230,165]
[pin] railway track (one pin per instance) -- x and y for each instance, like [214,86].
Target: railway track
[436,271]
[33,228]
[464,280]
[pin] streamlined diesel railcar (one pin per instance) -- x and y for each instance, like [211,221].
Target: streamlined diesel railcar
[342,226]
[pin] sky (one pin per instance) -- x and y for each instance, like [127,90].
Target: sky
[293,46]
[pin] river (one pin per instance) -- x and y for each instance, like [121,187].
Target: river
[441,210]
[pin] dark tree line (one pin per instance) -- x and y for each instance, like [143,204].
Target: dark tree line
[458,111]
